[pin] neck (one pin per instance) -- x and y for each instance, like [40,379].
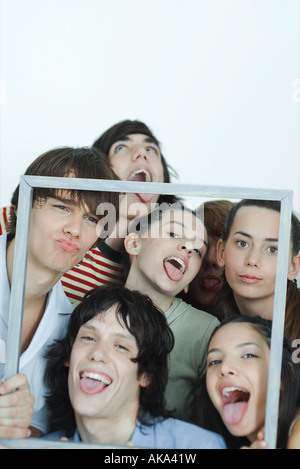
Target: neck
[106,431]
[38,282]
[256,307]
[137,282]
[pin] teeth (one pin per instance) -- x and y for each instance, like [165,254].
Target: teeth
[96,376]
[140,171]
[227,391]
[177,259]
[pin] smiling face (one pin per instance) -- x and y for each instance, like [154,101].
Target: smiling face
[237,378]
[170,256]
[103,380]
[61,232]
[137,157]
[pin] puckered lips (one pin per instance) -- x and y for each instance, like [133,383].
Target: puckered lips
[94,382]
[235,401]
[68,245]
[175,267]
[250,279]
[142,175]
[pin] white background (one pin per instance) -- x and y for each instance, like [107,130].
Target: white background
[218,82]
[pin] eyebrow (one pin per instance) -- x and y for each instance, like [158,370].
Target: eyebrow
[66,201]
[146,139]
[115,334]
[74,203]
[247,235]
[237,346]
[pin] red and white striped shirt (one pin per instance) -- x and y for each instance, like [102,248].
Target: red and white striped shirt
[100,266]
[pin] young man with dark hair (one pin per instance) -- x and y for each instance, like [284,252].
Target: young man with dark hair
[107,376]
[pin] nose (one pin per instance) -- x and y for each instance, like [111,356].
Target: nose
[253,258]
[187,247]
[140,153]
[73,226]
[98,353]
[228,368]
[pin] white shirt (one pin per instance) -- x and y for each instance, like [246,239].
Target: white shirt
[53,326]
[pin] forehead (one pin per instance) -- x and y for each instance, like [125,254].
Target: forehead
[137,138]
[84,201]
[109,320]
[186,220]
[233,334]
[256,217]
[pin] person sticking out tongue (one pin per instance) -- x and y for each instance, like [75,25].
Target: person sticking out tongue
[231,399]
[166,252]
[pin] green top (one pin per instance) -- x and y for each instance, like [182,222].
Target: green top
[192,329]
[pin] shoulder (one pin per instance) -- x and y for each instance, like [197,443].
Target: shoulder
[177,434]
[187,314]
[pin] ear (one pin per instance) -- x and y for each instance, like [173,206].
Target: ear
[294,267]
[67,363]
[186,289]
[132,244]
[144,380]
[220,254]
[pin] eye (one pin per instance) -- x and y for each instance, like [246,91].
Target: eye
[87,338]
[121,347]
[152,150]
[198,252]
[61,207]
[92,219]
[272,250]
[241,243]
[119,147]
[173,235]
[213,362]
[249,355]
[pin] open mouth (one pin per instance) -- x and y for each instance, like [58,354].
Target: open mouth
[174,267]
[142,175]
[235,401]
[94,383]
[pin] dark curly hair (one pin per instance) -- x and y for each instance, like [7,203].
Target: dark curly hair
[154,341]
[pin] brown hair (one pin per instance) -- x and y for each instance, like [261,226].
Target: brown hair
[215,213]
[81,162]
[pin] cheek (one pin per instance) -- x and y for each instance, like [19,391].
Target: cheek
[159,173]
[118,165]
[210,385]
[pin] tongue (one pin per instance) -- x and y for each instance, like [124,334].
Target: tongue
[145,198]
[173,272]
[233,413]
[210,283]
[91,386]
